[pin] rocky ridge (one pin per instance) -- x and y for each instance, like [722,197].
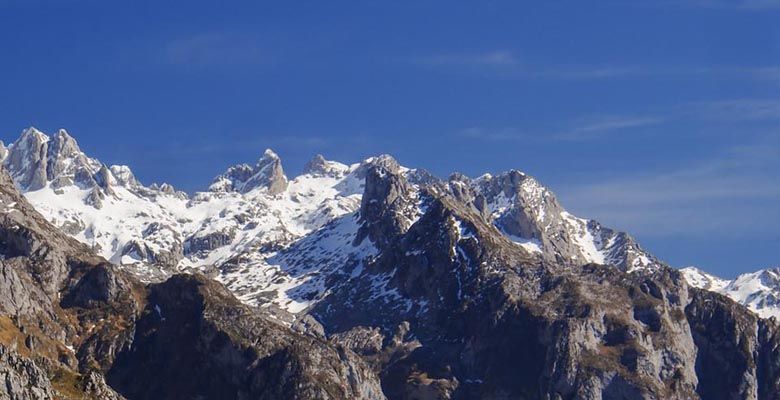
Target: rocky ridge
[243,230]
[434,289]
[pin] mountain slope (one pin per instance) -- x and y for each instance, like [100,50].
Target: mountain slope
[73,326]
[254,228]
[759,291]
[463,311]
[433,289]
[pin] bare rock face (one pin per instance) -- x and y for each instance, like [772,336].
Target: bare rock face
[388,205]
[267,173]
[207,242]
[738,354]
[223,349]
[319,166]
[21,379]
[27,158]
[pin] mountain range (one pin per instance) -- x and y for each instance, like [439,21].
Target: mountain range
[370,280]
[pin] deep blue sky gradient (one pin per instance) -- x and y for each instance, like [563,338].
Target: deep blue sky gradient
[660,118]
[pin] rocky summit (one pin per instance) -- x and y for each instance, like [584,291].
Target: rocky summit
[363,281]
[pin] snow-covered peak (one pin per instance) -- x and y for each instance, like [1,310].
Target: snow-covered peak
[320,166]
[528,212]
[759,291]
[37,161]
[124,175]
[702,280]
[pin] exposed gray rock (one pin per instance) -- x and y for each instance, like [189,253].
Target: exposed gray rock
[267,173]
[3,152]
[226,350]
[493,321]
[524,209]
[317,165]
[388,205]
[95,386]
[27,159]
[210,241]
[21,379]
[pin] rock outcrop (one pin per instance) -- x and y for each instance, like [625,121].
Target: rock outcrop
[267,173]
[21,378]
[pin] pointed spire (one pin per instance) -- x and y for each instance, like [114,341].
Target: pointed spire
[267,173]
[32,133]
[26,160]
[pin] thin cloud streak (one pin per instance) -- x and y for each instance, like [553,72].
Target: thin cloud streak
[736,109]
[505,64]
[217,49]
[497,58]
[588,129]
[608,125]
[753,5]
[732,195]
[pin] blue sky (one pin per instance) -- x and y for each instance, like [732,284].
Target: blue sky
[661,118]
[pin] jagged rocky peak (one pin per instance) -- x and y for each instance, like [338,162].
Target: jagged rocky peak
[386,162]
[319,166]
[702,280]
[520,203]
[63,146]
[389,202]
[530,214]
[27,159]
[35,160]
[267,173]
[759,291]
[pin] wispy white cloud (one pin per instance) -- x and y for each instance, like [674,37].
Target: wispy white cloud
[506,64]
[496,58]
[494,135]
[735,109]
[607,125]
[580,130]
[735,194]
[764,73]
[217,49]
[731,4]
